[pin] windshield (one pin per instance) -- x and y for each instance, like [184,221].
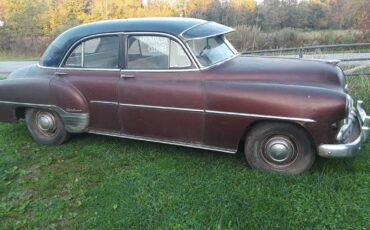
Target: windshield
[212,50]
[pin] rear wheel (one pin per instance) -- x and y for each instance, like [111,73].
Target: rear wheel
[279,147]
[46,127]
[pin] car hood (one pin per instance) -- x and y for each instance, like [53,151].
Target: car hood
[276,70]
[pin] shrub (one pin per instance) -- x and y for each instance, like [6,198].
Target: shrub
[248,38]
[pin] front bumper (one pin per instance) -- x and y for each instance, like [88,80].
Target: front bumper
[349,149]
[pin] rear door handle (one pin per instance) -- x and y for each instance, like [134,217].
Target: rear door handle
[61,74]
[127,76]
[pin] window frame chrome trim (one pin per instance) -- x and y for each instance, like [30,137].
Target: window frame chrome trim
[189,54]
[156,140]
[202,67]
[89,69]
[159,70]
[183,44]
[220,62]
[74,45]
[82,54]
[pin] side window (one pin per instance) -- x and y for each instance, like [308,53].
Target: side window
[75,58]
[102,52]
[178,57]
[134,47]
[155,52]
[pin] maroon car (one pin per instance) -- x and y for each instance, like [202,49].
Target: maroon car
[179,81]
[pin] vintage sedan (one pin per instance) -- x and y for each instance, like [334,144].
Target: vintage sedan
[179,81]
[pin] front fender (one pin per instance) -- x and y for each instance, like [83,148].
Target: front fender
[279,100]
[314,108]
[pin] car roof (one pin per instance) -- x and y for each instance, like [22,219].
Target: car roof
[183,28]
[170,25]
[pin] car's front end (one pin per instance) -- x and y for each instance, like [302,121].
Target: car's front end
[351,128]
[353,132]
[341,126]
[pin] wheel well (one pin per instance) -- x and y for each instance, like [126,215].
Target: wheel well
[250,127]
[20,112]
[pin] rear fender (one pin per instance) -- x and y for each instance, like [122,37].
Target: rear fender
[70,104]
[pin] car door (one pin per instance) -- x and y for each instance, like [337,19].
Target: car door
[93,67]
[160,93]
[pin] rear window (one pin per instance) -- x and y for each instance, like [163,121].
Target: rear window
[52,56]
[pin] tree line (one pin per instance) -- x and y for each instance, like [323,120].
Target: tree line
[31,24]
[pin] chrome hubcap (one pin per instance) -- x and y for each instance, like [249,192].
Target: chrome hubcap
[46,122]
[279,149]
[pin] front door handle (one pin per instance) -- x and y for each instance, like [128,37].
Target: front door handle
[127,76]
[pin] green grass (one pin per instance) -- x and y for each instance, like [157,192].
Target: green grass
[104,183]
[359,86]
[97,182]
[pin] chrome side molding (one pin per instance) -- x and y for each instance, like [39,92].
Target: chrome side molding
[178,143]
[261,116]
[104,102]
[208,111]
[162,107]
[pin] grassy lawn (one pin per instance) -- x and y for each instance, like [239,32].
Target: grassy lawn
[103,182]
[360,87]
[98,182]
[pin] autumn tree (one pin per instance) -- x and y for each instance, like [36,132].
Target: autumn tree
[196,8]
[243,4]
[360,12]
[23,23]
[31,24]
[62,14]
[272,14]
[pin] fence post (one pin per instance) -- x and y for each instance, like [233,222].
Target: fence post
[301,52]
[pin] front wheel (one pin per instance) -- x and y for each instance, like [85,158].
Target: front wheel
[279,147]
[46,127]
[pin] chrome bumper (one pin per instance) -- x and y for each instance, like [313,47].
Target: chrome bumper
[349,149]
